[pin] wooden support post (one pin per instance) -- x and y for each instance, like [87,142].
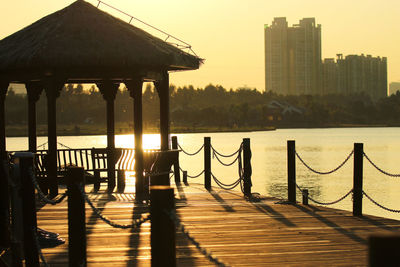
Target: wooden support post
[177,173]
[162,87]
[109,90]
[33,90]
[383,249]
[4,196]
[358,179]
[247,170]
[162,226]
[16,216]
[24,162]
[185,178]
[52,88]
[207,163]
[291,169]
[3,93]
[135,87]
[305,197]
[76,217]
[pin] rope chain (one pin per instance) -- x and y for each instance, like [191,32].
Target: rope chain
[42,258]
[45,143]
[226,186]
[379,205]
[324,203]
[67,147]
[191,154]
[41,194]
[227,156]
[225,164]
[327,172]
[186,233]
[42,145]
[379,169]
[137,222]
[190,176]
[241,171]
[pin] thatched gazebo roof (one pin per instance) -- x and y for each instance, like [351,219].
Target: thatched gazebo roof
[81,42]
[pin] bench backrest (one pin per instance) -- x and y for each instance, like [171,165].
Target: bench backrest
[95,159]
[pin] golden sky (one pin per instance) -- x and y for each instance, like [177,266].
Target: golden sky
[229,33]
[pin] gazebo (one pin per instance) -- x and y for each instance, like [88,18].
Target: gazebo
[82,44]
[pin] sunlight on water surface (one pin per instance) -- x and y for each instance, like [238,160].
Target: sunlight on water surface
[322,149]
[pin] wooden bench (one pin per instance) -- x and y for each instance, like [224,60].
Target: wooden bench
[95,163]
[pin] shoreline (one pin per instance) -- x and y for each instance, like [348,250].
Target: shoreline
[18,131]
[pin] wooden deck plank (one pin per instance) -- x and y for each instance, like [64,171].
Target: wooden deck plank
[238,232]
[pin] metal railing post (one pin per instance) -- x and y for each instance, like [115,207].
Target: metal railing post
[177,173]
[305,196]
[76,217]
[162,226]
[207,163]
[184,178]
[247,170]
[383,249]
[358,179]
[24,162]
[16,217]
[291,170]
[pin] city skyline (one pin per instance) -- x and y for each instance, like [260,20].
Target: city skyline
[229,34]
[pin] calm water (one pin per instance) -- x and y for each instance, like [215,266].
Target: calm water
[322,149]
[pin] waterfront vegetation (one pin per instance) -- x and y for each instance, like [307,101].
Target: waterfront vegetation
[209,109]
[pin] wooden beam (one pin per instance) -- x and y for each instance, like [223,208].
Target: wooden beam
[85,75]
[135,87]
[109,90]
[33,90]
[52,87]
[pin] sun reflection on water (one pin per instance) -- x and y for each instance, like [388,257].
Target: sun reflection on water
[150,141]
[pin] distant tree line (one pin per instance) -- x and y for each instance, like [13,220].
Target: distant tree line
[214,106]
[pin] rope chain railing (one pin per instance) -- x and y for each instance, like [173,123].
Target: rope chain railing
[226,186]
[58,143]
[229,155]
[191,154]
[326,172]
[136,224]
[42,258]
[379,169]
[42,145]
[215,155]
[186,233]
[324,203]
[379,205]
[42,196]
[64,146]
[192,176]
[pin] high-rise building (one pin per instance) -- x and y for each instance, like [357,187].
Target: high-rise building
[293,57]
[354,75]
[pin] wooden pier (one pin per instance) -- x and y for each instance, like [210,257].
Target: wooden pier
[237,232]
